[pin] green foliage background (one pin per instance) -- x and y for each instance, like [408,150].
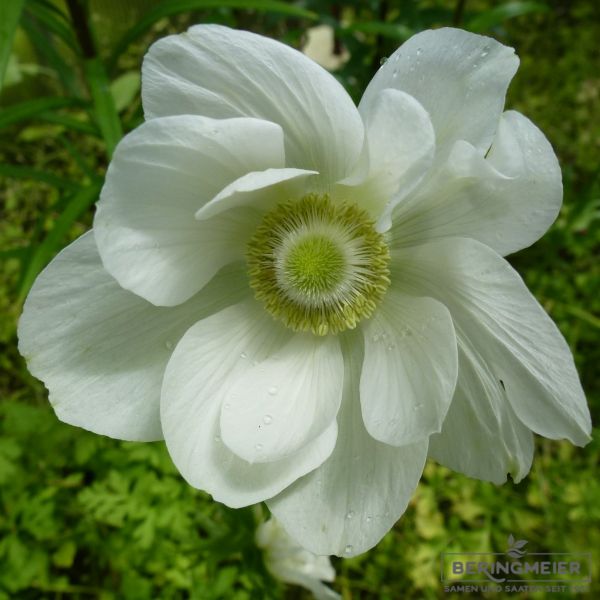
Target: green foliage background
[85,516]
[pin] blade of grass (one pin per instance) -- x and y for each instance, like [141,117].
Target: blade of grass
[496,16]
[48,53]
[582,314]
[54,21]
[33,108]
[169,8]
[23,172]
[18,253]
[43,253]
[104,112]
[10,12]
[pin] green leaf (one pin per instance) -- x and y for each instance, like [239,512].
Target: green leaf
[34,108]
[496,16]
[10,12]
[77,206]
[74,124]
[65,554]
[105,112]
[125,88]
[395,31]
[174,7]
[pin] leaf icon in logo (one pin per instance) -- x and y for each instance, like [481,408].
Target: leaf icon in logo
[514,547]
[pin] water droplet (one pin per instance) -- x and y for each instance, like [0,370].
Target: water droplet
[484,54]
[417,407]
[227,406]
[267,419]
[375,338]
[217,438]
[348,549]
[391,346]
[419,51]
[169,345]
[350,514]
[243,355]
[272,390]
[369,519]
[383,60]
[258,447]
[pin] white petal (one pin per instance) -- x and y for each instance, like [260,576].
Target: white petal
[219,72]
[297,577]
[459,77]
[399,149]
[260,190]
[507,200]
[160,175]
[351,501]
[493,309]
[289,562]
[481,436]
[284,402]
[211,354]
[410,369]
[101,350]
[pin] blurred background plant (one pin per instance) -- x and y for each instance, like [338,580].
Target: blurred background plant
[88,517]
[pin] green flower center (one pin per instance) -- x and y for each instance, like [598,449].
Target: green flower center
[313,266]
[318,266]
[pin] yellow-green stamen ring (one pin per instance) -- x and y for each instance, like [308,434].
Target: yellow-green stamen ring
[317,265]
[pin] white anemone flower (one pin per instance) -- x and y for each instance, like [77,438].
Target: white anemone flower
[291,563]
[306,298]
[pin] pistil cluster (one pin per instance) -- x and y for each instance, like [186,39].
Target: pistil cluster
[318,265]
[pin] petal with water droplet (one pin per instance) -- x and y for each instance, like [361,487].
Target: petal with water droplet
[407,382]
[300,387]
[203,365]
[369,478]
